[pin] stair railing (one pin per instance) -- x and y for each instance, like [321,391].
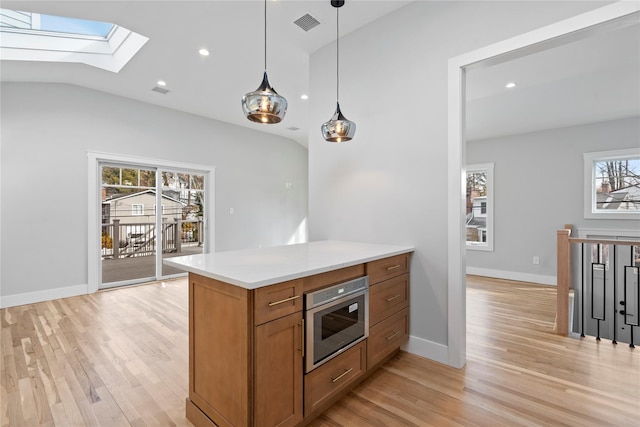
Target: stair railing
[609,267]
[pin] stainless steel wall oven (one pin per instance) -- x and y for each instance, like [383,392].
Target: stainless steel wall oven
[336,318]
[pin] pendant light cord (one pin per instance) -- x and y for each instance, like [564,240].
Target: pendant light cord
[265,36]
[337,55]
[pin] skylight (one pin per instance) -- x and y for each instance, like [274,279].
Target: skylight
[56,24]
[30,36]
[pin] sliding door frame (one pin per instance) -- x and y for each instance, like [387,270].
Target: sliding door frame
[94,183]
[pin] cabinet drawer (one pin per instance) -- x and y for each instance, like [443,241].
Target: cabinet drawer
[275,301]
[388,297]
[387,336]
[326,381]
[387,268]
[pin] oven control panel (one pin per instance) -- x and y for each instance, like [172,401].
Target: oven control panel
[324,296]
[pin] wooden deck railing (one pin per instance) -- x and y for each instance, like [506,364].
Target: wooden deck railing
[127,240]
[624,280]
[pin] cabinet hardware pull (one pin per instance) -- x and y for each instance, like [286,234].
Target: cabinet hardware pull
[333,380]
[302,336]
[393,297]
[393,267]
[389,338]
[271,304]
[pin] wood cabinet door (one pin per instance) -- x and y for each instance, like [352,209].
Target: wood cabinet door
[278,375]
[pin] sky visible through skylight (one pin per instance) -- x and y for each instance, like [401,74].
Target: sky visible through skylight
[57,24]
[61,24]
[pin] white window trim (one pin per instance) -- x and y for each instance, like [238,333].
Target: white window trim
[134,210]
[108,53]
[488,168]
[590,211]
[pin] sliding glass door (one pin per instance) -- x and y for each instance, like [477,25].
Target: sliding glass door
[182,215]
[148,214]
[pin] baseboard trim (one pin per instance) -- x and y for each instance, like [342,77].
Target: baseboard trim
[429,349]
[513,275]
[40,296]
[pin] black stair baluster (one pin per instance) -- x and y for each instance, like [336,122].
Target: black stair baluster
[615,318]
[636,273]
[598,266]
[582,255]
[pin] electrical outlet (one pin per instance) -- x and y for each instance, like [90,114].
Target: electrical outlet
[536,260]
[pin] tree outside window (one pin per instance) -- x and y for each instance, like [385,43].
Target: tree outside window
[612,184]
[479,213]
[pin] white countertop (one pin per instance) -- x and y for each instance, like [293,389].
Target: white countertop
[254,268]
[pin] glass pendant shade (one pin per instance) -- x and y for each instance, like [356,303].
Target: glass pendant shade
[338,128]
[264,105]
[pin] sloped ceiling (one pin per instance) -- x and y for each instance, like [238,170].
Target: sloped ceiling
[591,80]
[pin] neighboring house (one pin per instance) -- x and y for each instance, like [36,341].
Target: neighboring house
[137,214]
[140,208]
[623,199]
[477,220]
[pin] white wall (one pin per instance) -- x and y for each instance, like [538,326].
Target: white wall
[46,132]
[538,188]
[389,185]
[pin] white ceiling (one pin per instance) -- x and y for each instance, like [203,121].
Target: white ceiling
[585,81]
[211,86]
[590,80]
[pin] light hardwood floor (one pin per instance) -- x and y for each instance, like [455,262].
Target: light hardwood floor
[119,358]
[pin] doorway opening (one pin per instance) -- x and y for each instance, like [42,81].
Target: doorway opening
[576,28]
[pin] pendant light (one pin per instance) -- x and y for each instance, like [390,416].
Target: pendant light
[338,128]
[264,105]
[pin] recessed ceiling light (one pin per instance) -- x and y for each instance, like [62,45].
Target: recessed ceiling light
[304,96]
[203,52]
[161,83]
[511,85]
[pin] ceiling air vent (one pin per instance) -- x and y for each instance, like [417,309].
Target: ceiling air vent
[307,22]
[160,90]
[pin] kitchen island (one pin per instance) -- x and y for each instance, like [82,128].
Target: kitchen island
[247,329]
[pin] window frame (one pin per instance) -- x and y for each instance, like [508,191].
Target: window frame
[134,211]
[590,198]
[487,246]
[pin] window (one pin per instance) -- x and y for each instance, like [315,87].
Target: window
[106,213]
[164,210]
[137,209]
[612,184]
[479,221]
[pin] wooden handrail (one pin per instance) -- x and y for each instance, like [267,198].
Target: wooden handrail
[563,280]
